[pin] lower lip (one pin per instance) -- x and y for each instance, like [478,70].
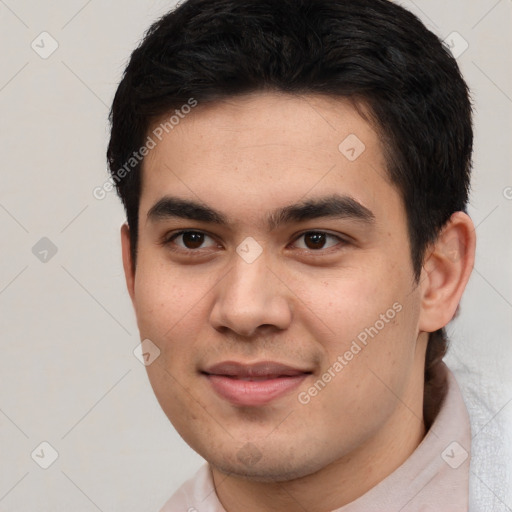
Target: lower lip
[256,392]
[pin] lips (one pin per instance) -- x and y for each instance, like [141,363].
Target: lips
[254,384]
[261,370]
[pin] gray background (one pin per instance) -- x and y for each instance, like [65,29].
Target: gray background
[68,373]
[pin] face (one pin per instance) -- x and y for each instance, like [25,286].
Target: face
[283,304]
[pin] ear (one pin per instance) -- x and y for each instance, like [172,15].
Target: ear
[129,272]
[446,271]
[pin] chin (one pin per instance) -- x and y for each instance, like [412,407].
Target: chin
[264,470]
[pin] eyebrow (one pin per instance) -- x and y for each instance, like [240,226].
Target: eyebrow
[334,206]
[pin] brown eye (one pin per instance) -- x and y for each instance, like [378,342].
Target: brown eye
[192,239]
[316,240]
[188,241]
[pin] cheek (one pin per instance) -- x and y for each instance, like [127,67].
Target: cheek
[353,299]
[371,307]
[163,300]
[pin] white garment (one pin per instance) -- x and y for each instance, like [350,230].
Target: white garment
[433,479]
[488,400]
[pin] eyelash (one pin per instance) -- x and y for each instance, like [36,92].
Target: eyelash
[169,239]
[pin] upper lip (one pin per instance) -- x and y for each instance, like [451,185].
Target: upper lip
[259,369]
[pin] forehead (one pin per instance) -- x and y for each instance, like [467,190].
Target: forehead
[260,151]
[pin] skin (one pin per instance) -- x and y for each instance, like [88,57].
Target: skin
[301,306]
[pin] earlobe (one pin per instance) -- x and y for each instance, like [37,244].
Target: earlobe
[446,271]
[127,260]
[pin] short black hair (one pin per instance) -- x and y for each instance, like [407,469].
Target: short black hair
[373,52]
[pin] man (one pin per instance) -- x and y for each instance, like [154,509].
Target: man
[295,175]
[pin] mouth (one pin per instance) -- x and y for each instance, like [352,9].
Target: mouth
[254,384]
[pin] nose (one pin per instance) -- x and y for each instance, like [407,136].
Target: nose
[251,297]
